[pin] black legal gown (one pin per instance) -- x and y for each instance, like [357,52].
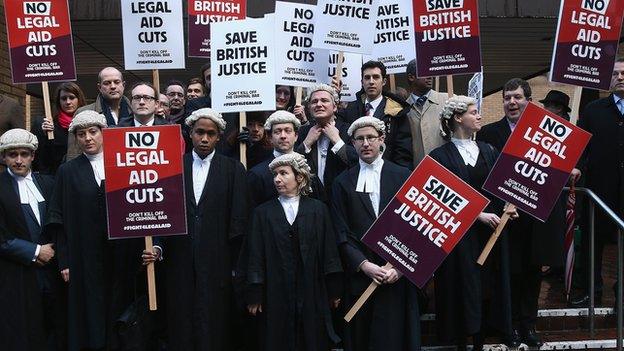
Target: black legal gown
[199,266]
[102,272]
[294,270]
[471,298]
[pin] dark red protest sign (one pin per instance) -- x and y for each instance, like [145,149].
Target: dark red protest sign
[203,12]
[588,34]
[424,221]
[40,41]
[447,37]
[536,162]
[144,181]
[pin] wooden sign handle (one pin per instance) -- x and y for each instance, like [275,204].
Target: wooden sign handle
[360,302]
[27,112]
[338,73]
[47,107]
[501,225]
[392,83]
[242,121]
[449,86]
[151,276]
[156,80]
[298,95]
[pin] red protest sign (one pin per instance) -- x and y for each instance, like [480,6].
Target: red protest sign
[40,41]
[424,221]
[588,34]
[536,162]
[203,12]
[144,181]
[447,37]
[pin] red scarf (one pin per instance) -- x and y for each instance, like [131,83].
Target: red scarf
[64,119]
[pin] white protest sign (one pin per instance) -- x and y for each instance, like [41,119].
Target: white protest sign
[394,36]
[297,63]
[242,58]
[475,88]
[153,34]
[351,74]
[345,25]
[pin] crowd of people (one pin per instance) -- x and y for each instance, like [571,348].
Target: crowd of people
[273,257]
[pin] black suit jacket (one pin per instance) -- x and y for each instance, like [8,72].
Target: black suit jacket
[335,163]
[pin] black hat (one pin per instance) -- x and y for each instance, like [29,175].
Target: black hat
[558,97]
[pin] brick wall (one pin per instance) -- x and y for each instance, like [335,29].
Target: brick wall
[17,92]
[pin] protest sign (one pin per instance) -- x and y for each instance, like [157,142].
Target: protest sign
[447,37]
[201,13]
[243,65]
[394,35]
[144,181]
[153,35]
[536,161]
[345,25]
[424,221]
[40,41]
[475,88]
[587,40]
[297,62]
[351,73]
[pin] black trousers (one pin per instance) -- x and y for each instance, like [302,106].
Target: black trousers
[525,289]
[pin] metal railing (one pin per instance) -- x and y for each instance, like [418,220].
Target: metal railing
[595,200]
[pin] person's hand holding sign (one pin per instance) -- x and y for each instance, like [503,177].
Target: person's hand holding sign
[392,276]
[376,273]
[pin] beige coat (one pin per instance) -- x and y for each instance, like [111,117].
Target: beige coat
[425,124]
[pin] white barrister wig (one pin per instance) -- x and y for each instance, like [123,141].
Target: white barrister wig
[207,113]
[18,138]
[367,121]
[282,116]
[323,87]
[299,165]
[86,119]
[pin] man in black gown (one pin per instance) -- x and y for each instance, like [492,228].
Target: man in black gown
[390,319]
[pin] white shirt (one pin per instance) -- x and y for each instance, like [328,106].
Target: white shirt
[277,154]
[148,124]
[97,164]
[512,125]
[369,181]
[290,206]
[468,150]
[201,167]
[375,103]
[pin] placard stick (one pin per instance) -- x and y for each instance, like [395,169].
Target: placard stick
[576,103]
[449,85]
[298,95]
[437,83]
[151,276]
[338,73]
[27,112]
[501,225]
[47,107]
[242,121]
[392,84]
[156,80]
[367,293]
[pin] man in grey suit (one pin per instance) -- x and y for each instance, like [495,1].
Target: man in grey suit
[424,113]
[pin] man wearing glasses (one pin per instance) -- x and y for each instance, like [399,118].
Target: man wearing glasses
[144,104]
[358,197]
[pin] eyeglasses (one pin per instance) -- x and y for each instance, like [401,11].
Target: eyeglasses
[174,94]
[138,98]
[363,138]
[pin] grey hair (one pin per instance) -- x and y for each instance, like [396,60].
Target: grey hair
[456,105]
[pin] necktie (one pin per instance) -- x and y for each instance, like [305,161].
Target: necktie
[369,109]
[420,102]
[620,105]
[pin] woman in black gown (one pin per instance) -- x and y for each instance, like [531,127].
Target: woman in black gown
[471,300]
[294,269]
